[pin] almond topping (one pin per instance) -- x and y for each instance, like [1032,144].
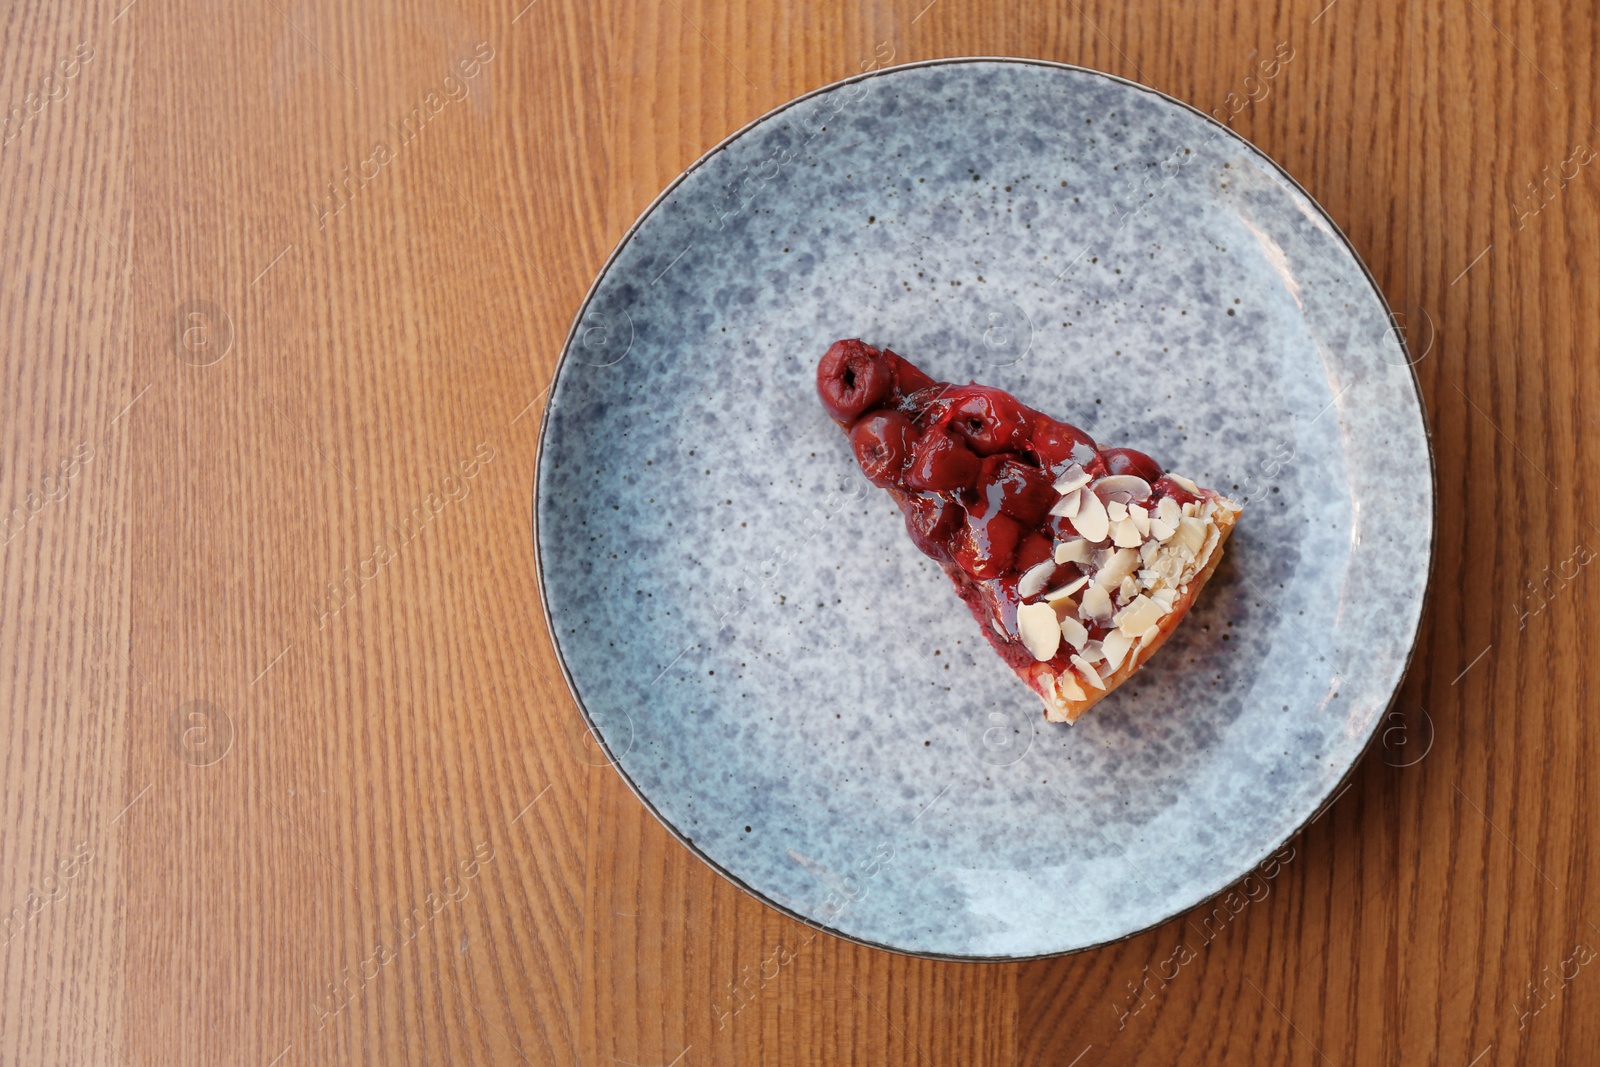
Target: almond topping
[1069,688]
[1121,564]
[1127,590]
[1168,511]
[1067,506]
[1034,579]
[1137,617]
[1126,488]
[1075,551]
[1096,603]
[1073,478]
[1148,552]
[1036,625]
[1165,597]
[1191,508]
[1141,519]
[1162,530]
[1116,511]
[1091,652]
[1091,519]
[1116,647]
[1067,590]
[1185,483]
[1087,670]
[1075,632]
[1124,534]
[1191,534]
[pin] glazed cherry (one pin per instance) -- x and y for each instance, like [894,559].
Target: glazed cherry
[1034,550]
[932,522]
[989,419]
[1167,487]
[882,443]
[853,377]
[1129,461]
[907,379]
[1057,446]
[941,463]
[985,548]
[1011,486]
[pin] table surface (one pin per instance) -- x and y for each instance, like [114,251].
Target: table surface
[273,795]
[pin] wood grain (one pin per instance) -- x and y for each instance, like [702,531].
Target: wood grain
[384,838]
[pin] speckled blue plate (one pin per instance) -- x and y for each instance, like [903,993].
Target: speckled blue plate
[793,689]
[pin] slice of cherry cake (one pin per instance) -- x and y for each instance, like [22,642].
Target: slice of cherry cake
[1077,561]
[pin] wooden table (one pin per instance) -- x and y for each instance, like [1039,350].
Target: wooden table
[273,796]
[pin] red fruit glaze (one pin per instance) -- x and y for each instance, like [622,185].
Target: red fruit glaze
[1023,492]
[990,420]
[974,472]
[882,444]
[932,522]
[1130,461]
[941,462]
[852,378]
[984,548]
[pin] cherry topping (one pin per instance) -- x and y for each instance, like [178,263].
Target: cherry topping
[1129,461]
[932,521]
[907,378]
[989,419]
[985,549]
[1034,550]
[882,441]
[852,377]
[940,462]
[1023,492]
[1167,487]
[1057,445]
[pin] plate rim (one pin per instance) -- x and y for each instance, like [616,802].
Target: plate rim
[566,350]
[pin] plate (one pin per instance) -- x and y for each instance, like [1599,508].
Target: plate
[794,690]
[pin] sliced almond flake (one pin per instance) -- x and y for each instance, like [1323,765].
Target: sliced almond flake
[1149,637]
[1208,508]
[1124,534]
[1102,557]
[1148,579]
[1040,633]
[1115,648]
[1162,530]
[1067,506]
[1128,488]
[1191,508]
[1076,550]
[1034,578]
[1184,483]
[1068,687]
[1075,632]
[1116,511]
[1148,552]
[1096,604]
[1086,669]
[1141,519]
[1127,590]
[1073,478]
[1001,630]
[1165,597]
[1091,651]
[1121,564]
[1067,590]
[1138,616]
[1091,519]
[1168,511]
[1191,535]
